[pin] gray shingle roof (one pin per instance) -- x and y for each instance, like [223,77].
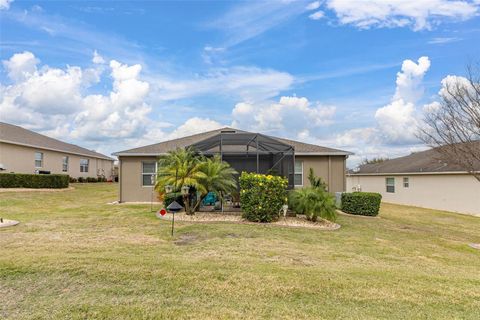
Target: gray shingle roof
[418,162]
[165,146]
[17,135]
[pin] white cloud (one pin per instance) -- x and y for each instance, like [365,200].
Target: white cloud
[97,59]
[409,79]
[247,83]
[21,66]
[444,40]
[313,5]
[5,4]
[290,116]
[415,14]
[194,125]
[317,15]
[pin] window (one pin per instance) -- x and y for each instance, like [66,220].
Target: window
[84,165]
[390,182]
[148,173]
[65,164]
[298,177]
[38,159]
[406,183]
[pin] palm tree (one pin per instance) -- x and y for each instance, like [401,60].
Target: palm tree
[180,167]
[314,203]
[218,177]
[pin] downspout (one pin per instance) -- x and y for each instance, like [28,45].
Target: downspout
[120,163]
[329,173]
[256,141]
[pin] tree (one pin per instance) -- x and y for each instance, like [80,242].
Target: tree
[453,125]
[316,182]
[180,167]
[218,177]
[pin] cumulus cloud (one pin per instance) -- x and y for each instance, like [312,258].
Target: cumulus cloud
[21,66]
[415,14]
[290,116]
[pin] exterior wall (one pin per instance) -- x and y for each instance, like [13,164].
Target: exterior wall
[450,192]
[21,159]
[330,168]
[130,178]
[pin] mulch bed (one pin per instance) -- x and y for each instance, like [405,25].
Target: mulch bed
[235,217]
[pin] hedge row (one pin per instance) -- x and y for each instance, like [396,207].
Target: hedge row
[262,196]
[361,203]
[35,181]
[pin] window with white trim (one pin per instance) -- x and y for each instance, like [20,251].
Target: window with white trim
[298,176]
[84,165]
[390,184]
[406,182]
[65,164]
[149,170]
[38,159]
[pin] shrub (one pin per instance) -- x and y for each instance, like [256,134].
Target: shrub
[73,180]
[91,179]
[35,181]
[314,202]
[361,203]
[81,179]
[262,196]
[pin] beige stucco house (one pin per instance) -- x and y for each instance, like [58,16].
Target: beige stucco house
[25,151]
[245,151]
[421,179]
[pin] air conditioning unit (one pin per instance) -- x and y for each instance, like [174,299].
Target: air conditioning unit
[2,167]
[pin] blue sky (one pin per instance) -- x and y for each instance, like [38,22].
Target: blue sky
[342,73]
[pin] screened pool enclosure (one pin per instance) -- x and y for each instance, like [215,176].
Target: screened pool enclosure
[250,152]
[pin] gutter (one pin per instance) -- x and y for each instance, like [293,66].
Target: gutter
[424,173]
[57,150]
[152,154]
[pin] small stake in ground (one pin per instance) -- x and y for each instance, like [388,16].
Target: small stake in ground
[174,207]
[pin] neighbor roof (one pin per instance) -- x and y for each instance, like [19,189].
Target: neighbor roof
[166,146]
[429,161]
[12,134]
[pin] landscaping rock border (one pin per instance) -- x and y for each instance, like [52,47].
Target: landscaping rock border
[235,217]
[356,215]
[8,223]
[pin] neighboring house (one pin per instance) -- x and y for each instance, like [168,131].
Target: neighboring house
[25,151]
[245,151]
[421,179]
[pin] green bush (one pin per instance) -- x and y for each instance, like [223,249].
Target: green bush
[313,202]
[262,196]
[361,203]
[35,181]
[73,180]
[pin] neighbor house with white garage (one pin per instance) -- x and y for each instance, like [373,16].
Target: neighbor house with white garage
[25,151]
[420,179]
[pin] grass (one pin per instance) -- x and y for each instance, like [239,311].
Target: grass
[74,256]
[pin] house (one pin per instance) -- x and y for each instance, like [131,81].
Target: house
[421,179]
[244,151]
[25,151]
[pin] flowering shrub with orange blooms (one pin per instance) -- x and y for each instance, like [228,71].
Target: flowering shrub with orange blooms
[262,196]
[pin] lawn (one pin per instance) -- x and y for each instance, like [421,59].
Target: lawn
[74,256]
